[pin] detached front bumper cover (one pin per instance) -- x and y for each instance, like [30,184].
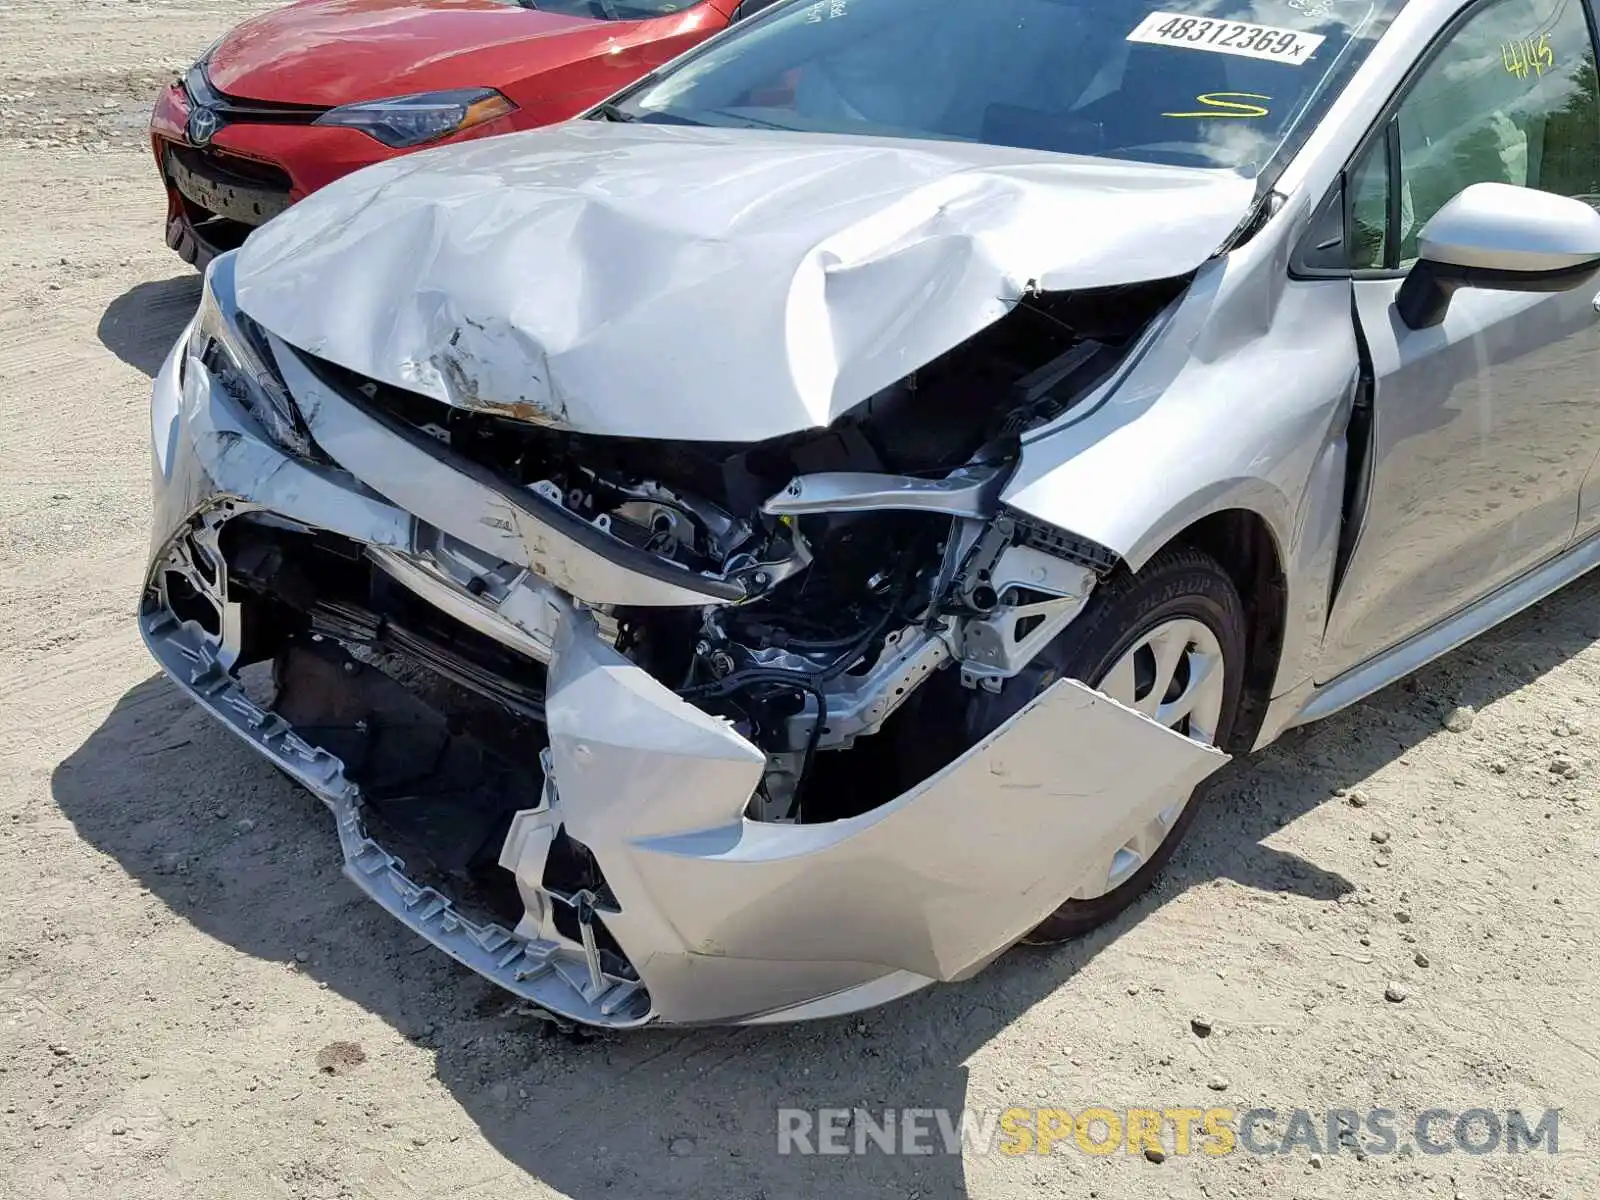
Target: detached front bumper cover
[719,917]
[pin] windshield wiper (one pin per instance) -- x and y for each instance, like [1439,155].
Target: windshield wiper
[748,120]
[611,112]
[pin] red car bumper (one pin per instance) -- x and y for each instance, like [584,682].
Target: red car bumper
[249,172]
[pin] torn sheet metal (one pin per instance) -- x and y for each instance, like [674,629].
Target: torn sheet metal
[486,514]
[725,917]
[203,445]
[695,283]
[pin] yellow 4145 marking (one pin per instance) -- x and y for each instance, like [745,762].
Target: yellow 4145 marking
[1226,104]
[1527,55]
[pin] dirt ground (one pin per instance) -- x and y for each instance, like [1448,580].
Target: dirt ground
[193,1003]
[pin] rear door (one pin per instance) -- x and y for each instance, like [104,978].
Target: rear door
[1485,425]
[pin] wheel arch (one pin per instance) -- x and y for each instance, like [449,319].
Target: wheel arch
[1246,545]
[1243,543]
[1266,541]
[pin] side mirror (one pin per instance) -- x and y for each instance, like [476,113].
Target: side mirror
[1502,237]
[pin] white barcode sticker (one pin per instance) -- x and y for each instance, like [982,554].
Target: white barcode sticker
[1270,42]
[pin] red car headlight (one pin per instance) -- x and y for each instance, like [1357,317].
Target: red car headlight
[404,121]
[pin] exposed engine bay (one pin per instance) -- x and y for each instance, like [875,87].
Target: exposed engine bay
[868,556]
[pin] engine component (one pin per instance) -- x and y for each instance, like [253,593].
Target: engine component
[1036,596]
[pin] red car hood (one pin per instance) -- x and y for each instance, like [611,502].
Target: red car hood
[331,52]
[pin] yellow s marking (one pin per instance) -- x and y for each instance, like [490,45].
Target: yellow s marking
[1218,104]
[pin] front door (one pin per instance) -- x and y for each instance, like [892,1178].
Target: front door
[1484,425]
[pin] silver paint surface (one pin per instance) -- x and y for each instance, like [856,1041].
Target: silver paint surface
[765,282]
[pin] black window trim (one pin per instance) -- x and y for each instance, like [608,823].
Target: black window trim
[1387,128]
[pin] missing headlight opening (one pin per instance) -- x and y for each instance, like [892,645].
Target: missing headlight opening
[834,601]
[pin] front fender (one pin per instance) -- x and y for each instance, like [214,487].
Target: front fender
[1251,418]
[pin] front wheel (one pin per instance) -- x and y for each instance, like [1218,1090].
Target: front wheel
[1169,642]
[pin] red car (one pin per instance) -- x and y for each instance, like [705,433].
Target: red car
[292,100]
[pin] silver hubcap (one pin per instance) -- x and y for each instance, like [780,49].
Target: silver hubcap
[1174,674]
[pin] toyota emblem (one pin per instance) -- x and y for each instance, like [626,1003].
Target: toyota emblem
[203,125]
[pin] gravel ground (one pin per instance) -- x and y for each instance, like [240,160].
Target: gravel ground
[1379,912]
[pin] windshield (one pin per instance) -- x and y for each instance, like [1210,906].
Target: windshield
[1212,83]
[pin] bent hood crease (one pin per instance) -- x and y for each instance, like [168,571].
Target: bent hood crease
[712,284]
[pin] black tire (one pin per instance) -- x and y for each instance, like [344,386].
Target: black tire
[1178,582]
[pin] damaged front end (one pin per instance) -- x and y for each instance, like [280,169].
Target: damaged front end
[650,730]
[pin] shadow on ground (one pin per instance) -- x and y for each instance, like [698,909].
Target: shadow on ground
[140,325]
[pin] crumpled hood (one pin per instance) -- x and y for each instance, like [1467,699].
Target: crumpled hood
[724,285]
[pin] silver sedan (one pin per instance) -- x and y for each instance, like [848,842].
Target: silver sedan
[785,537]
